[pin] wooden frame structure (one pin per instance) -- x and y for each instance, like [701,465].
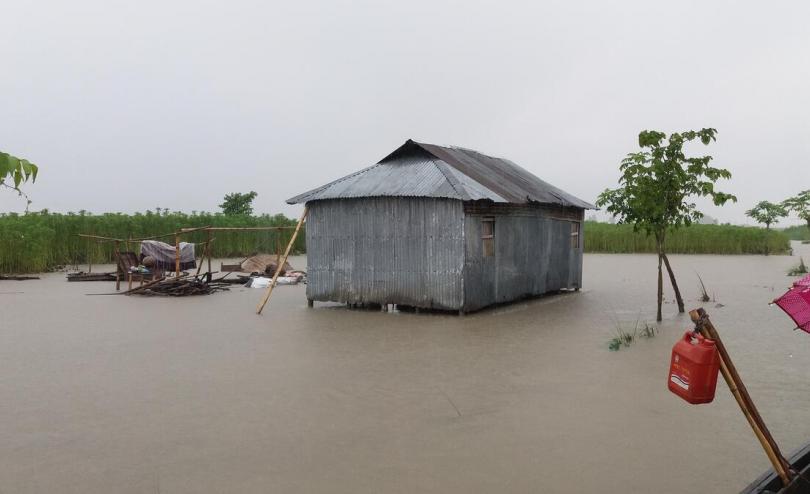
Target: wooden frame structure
[206,255]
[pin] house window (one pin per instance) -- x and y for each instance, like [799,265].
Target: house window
[488,236]
[575,235]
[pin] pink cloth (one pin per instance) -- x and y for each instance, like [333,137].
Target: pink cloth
[796,303]
[805,282]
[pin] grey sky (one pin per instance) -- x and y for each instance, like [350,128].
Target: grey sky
[131,105]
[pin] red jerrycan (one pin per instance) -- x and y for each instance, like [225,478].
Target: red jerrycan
[693,368]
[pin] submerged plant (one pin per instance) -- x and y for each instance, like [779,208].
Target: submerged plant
[704,295]
[648,331]
[800,269]
[624,338]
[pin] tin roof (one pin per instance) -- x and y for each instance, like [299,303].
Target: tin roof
[425,170]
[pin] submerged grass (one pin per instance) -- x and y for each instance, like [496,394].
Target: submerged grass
[41,241]
[704,295]
[625,337]
[696,239]
[799,269]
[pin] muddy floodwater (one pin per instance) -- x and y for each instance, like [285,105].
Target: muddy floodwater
[102,394]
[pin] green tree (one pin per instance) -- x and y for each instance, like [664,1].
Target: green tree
[238,204]
[656,185]
[767,213]
[800,204]
[16,171]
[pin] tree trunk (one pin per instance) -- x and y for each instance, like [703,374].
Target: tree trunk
[660,290]
[660,281]
[767,237]
[678,297]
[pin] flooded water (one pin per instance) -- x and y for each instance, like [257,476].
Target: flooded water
[104,394]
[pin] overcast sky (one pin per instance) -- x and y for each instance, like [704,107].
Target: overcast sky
[128,106]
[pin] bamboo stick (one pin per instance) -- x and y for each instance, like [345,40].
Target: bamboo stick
[763,441]
[110,239]
[721,348]
[203,256]
[118,272]
[236,228]
[177,255]
[208,243]
[746,404]
[281,264]
[144,286]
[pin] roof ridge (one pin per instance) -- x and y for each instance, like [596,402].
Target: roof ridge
[454,183]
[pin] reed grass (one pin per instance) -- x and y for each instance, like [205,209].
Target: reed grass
[798,232]
[43,241]
[696,239]
[622,337]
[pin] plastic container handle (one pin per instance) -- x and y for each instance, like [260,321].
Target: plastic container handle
[687,337]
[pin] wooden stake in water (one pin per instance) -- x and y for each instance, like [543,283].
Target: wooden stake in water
[208,248]
[282,262]
[177,255]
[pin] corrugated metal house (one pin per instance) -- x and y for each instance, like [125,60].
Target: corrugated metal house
[441,228]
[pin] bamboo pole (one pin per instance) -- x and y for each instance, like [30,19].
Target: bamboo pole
[721,348]
[109,239]
[202,258]
[206,253]
[283,261]
[740,393]
[277,248]
[208,247]
[89,258]
[236,228]
[177,255]
[118,272]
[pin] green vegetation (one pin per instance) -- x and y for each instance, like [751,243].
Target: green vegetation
[798,270]
[704,294]
[624,337]
[16,171]
[36,242]
[697,239]
[800,205]
[767,213]
[655,189]
[798,232]
[238,204]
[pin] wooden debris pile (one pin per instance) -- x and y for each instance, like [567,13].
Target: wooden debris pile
[82,276]
[181,286]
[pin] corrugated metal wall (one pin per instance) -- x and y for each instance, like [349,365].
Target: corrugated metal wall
[403,250]
[533,254]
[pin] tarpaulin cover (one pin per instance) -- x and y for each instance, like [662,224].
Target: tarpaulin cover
[263,263]
[796,303]
[164,254]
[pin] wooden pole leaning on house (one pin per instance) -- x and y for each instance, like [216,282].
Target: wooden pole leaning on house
[740,393]
[282,262]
